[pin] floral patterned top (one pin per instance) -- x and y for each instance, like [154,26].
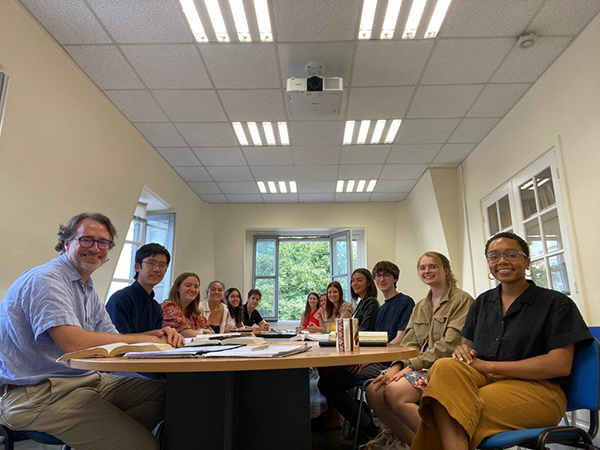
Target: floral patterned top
[174,317]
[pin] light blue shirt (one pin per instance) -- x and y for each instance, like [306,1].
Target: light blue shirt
[41,298]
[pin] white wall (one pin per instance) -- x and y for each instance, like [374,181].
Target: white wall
[64,149]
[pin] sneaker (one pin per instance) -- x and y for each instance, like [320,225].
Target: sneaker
[384,441]
[395,444]
[347,439]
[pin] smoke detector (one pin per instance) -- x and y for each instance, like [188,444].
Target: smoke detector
[526,40]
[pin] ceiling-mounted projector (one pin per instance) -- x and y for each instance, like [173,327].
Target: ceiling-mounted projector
[314,95]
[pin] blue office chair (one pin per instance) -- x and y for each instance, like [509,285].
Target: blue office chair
[582,393]
[10,437]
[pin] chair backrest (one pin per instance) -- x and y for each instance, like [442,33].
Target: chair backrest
[584,381]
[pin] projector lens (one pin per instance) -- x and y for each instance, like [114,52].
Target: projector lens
[314,83]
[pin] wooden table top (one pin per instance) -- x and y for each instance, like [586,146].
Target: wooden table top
[315,357]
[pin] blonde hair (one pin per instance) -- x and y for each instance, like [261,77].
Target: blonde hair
[193,309]
[444,263]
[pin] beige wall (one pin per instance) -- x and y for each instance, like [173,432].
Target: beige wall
[65,149]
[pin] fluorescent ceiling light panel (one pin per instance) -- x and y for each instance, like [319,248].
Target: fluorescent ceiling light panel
[283,133]
[269,133]
[526,185]
[263,19]
[216,18]
[414,17]
[239,131]
[391,17]
[371,186]
[350,186]
[254,133]
[272,187]
[441,8]
[391,134]
[378,131]
[366,19]
[282,187]
[293,187]
[261,187]
[340,186]
[239,17]
[361,186]
[191,14]
[362,133]
[348,132]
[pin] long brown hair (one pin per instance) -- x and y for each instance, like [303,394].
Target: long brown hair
[371,288]
[193,309]
[444,264]
[331,309]
[308,309]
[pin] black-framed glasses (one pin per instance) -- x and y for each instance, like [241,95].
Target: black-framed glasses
[510,255]
[382,275]
[156,265]
[88,242]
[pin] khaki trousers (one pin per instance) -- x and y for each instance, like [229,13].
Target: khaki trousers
[485,404]
[96,411]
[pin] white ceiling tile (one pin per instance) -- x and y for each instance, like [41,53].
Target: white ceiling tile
[414,153]
[193,173]
[403,171]
[388,197]
[352,197]
[526,65]
[395,185]
[564,17]
[274,173]
[461,61]
[105,66]
[179,156]
[208,134]
[497,99]
[321,172]
[443,101]
[161,134]
[143,21]
[254,106]
[390,63]
[443,165]
[425,131]
[137,105]
[242,66]
[325,154]
[280,198]
[316,187]
[312,20]
[180,66]
[191,105]
[238,187]
[316,133]
[220,156]
[69,21]
[364,154]
[379,103]
[268,156]
[214,198]
[360,172]
[245,198]
[454,153]
[205,187]
[472,130]
[236,173]
[316,198]
[489,17]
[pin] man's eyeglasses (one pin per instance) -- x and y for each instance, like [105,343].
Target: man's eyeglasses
[510,255]
[88,242]
[382,275]
[156,265]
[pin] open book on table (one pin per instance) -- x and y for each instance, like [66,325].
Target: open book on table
[201,341]
[114,350]
[261,351]
[183,352]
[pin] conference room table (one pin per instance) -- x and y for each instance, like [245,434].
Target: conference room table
[233,403]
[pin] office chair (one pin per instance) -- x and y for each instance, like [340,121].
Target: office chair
[582,393]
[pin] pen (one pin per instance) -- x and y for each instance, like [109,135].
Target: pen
[260,347]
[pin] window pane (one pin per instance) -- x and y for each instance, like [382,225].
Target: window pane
[528,199]
[493,218]
[534,238]
[134,233]
[303,267]
[354,254]
[125,265]
[344,282]
[538,273]
[341,256]
[558,272]
[505,217]
[545,188]
[116,286]
[552,231]
[265,257]
[266,307]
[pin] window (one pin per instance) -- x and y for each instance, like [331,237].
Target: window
[287,267]
[530,205]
